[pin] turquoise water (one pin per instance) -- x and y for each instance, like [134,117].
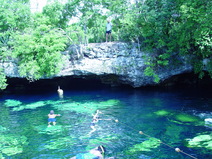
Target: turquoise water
[173,117]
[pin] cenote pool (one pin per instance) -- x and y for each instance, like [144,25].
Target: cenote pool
[173,117]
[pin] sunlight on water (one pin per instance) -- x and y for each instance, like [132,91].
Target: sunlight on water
[165,119]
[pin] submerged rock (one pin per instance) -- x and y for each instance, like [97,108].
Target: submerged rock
[208,121]
[201,140]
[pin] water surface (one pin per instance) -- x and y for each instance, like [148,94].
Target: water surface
[172,117]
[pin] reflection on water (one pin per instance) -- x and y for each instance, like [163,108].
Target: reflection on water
[168,119]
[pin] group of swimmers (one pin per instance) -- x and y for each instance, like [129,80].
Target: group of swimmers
[96,153]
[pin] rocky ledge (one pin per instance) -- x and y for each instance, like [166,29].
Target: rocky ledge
[113,63]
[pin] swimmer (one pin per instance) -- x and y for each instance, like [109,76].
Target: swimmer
[52,118]
[94,121]
[96,153]
[60,92]
[96,116]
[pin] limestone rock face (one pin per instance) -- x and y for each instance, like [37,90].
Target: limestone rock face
[113,63]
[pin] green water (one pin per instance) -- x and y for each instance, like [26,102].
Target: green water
[168,119]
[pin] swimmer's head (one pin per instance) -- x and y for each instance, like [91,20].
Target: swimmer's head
[101,149]
[52,112]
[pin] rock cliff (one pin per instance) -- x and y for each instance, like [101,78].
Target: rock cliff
[114,63]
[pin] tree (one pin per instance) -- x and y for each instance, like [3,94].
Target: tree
[38,51]
[55,13]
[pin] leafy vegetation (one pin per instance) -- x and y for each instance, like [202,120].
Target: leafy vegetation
[163,27]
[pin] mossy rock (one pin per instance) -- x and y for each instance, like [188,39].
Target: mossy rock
[147,145]
[202,140]
[12,103]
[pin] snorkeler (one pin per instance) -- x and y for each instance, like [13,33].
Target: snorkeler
[52,118]
[96,153]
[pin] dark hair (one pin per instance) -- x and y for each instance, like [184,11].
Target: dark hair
[101,149]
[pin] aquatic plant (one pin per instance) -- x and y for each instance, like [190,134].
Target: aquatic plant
[162,113]
[100,141]
[202,140]
[60,143]
[19,106]
[173,133]
[147,145]
[186,118]
[44,129]
[87,107]
[30,106]
[2,129]
[12,103]
[12,144]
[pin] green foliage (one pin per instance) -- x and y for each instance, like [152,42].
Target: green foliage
[54,12]
[164,27]
[149,71]
[43,57]
[14,15]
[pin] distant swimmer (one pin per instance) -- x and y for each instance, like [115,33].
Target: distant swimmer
[60,92]
[52,118]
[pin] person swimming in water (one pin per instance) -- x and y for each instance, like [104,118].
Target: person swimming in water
[96,153]
[96,116]
[94,121]
[60,92]
[52,118]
